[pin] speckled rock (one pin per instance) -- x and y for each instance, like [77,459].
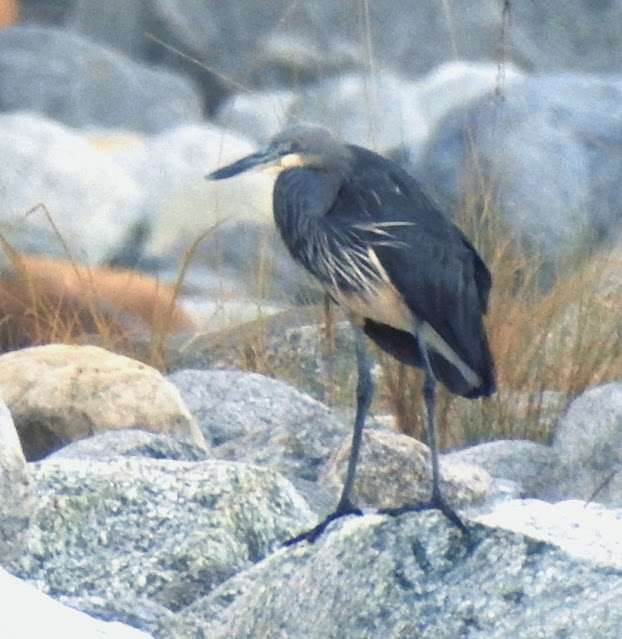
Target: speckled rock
[131,443]
[412,576]
[395,471]
[254,418]
[17,502]
[530,465]
[165,531]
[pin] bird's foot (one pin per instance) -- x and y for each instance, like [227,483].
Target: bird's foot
[315,532]
[436,503]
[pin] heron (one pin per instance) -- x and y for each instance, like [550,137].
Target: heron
[405,275]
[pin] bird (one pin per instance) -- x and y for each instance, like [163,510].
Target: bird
[405,275]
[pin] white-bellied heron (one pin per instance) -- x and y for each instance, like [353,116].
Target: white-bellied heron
[406,276]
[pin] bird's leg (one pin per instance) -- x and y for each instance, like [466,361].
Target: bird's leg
[364,395]
[429,395]
[436,501]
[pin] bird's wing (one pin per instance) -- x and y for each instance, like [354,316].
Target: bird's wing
[437,271]
[330,222]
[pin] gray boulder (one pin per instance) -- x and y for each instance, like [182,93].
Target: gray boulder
[253,418]
[67,77]
[279,43]
[184,205]
[412,576]
[193,548]
[588,442]
[531,466]
[510,149]
[89,198]
[395,471]
[582,36]
[17,501]
[344,105]
[163,531]
[130,442]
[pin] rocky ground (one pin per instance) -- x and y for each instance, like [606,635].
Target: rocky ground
[175,525]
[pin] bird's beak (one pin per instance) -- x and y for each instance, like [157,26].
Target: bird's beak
[261,158]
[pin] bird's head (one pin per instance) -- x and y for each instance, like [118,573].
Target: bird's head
[297,145]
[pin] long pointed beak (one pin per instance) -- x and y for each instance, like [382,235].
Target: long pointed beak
[261,158]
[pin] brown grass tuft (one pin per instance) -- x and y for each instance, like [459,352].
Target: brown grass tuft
[43,300]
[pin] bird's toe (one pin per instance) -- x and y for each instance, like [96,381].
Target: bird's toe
[312,534]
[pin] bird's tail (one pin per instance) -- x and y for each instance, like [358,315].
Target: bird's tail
[459,379]
[471,374]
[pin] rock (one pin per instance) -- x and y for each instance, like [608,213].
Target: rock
[252,48]
[558,211]
[257,115]
[581,38]
[249,262]
[52,12]
[68,179]
[17,501]
[60,393]
[252,418]
[68,78]
[116,24]
[574,526]
[531,465]
[588,443]
[513,414]
[280,44]
[283,343]
[417,106]
[237,258]
[165,531]
[230,314]
[28,613]
[248,417]
[194,548]
[342,104]
[185,204]
[112,444]
[411,576]
[395,470]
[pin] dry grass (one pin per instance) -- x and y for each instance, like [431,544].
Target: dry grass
[9,12]
[45,300]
